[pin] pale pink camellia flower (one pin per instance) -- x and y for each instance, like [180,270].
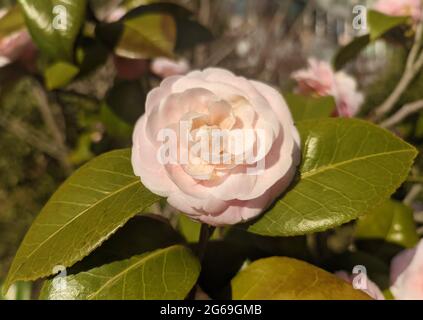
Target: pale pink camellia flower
[319,79]
[412,8]
[14,46]
[164,67]
[407,274]
[372,289]
[203,103]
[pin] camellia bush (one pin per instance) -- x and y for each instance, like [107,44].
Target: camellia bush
[230,189]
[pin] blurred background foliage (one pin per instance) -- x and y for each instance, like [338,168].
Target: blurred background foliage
[53,122]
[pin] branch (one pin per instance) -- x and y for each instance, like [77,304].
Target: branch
[413,194]
[403,113]
[30,136]
[412,68]
[50,122]
[418,217]
[53,128]
[416,46]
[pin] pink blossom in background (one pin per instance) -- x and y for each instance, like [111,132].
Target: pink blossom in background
[407,274]
[164,67]
[215,99]
[116,15]
[372,288]
[348,98]
[412,8]
[319,79]
[14,46]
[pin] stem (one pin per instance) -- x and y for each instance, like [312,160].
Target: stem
[205,234]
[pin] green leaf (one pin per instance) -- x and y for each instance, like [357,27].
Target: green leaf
[82,151]
[307,108]
[87,209]
[380,23]
[392,222]
[55,40]
[11,22]
[350,51]
[114,125]
[190,33]
[60,74]
[126,99]
[141,37]
[166,274]
[148,36]
[188,228]
[280,278]
[348,167]
[139,235]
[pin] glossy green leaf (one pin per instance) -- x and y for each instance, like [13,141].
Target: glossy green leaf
[166,274]
[350,51]
[87,209]
[11,22]
[348,167]
[392,221]
[380,23]
[307,108]
[54,25]
[60,74]
[188,228]
[141,37]
[148,36]
[280,278]
[141,234]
